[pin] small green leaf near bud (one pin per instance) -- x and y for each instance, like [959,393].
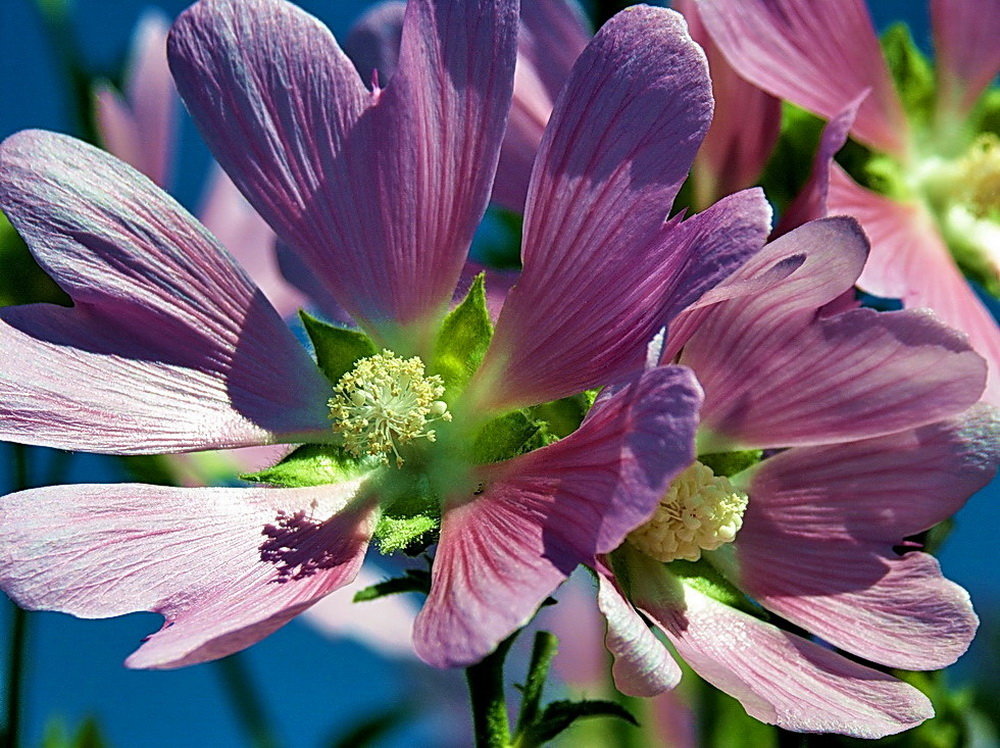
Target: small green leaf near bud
[463,339]
[911,73]
[337,349]
[311,465]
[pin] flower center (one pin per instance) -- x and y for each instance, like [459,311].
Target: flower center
[385,402]
[978,176]
[700,511]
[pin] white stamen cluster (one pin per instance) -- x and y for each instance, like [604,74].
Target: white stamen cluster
[385,402]
[700,511]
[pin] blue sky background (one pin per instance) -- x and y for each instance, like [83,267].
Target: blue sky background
[314,686]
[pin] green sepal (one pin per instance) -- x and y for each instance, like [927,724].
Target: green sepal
[463,339]
[337,348]
[702,576]
[728,464]
[911,72]
[413,580]
[559,715]
[312,465]
[564,416]
[508,436]
[410,534]
[23,281]
[986,116]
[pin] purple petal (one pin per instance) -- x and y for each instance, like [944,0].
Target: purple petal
[540,515]
[643,666]
[224,566]
[238,227]
[373,43]
[568,332]
[777,374]
[553,33]
[968,56]
[811,202]
[744,129]
[169,347]
[780,678]
[817,540]
[380,192]
[139,128]
[818,55]
[910,261]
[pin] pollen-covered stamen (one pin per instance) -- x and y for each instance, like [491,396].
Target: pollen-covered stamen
[700,511]
[979,176]
[385,402]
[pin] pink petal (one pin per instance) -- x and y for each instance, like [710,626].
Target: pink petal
[968,55]
[643,666]
[380,192]
[817,541]
[169,347]
[540,515]
[373,43]
[818,55]
[910,261]
[224,566]
[139,128]
[779,678]
[238,227]
[777,374]
[552,36]
[744,129]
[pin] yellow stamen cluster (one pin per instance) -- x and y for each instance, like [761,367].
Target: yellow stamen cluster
[979,176]
[385,402]
[700,511]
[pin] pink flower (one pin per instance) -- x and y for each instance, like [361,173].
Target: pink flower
[825,57]
[170,347]
[858,416]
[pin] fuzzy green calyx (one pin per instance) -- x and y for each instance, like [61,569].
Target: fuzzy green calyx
[699,512]
[386,402]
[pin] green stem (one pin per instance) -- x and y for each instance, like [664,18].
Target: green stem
[490,721]
[18,627]
[245,701]
[542,652]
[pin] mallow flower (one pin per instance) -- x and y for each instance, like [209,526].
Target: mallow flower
[827,440]
[934,149]
[421,425]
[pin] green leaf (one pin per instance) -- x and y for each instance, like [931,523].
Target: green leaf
[22,280]
[563,416]
[508,436]
[703,577]
[463,339]
[911,72]
[729,464]
[88,735]
[370,731]
[312,465]
[791,161]
[559,715]
[415,580]
[337,349]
